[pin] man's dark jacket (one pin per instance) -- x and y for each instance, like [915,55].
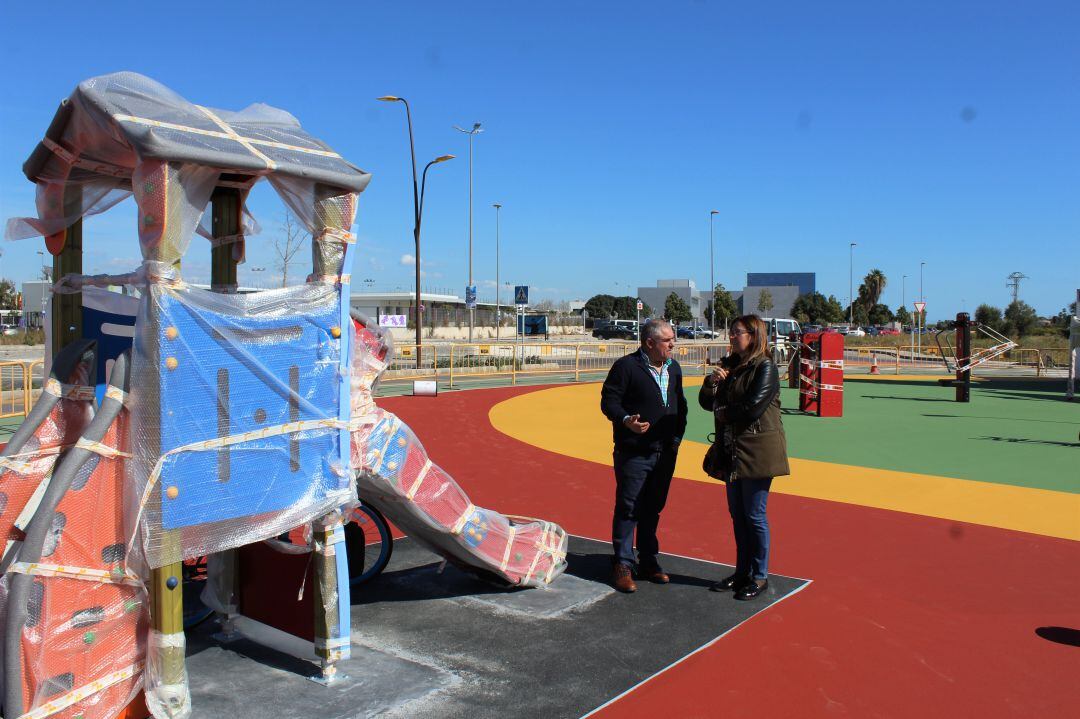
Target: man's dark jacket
[631,388]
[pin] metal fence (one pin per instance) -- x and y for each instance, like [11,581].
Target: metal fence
[461,365]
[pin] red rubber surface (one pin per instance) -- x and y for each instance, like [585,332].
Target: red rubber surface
[906,616]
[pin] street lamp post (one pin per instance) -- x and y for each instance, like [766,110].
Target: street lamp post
[418,209]
[712,282]
[471,133]
[498,294]
[850,284]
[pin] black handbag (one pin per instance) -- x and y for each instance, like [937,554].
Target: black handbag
[712,465]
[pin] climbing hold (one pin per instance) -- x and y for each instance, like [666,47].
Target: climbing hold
[172,333]
[171,582]
[171,362]
[172,492]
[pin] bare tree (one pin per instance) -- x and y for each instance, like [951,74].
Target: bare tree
[287,246]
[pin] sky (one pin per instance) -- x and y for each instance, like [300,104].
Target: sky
[925,132]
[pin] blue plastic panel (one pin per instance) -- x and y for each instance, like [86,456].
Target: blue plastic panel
[224,375]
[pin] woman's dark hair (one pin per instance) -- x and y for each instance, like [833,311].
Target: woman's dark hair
[759,336]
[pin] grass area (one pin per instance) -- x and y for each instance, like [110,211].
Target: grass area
[1017,432]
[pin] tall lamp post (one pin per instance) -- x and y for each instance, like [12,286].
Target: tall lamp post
[471,133]
[712,282]
[498,293]
[850,284]
[418,210]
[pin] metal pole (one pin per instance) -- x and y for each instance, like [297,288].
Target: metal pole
[498,305]
[922,315]
[850,284]
[712,280]
[475,129]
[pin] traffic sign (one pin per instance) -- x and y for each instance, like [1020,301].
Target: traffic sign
[521,294]
[640,305]
[920,306]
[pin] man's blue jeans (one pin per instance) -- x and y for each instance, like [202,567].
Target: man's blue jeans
[641,489]
[747,500]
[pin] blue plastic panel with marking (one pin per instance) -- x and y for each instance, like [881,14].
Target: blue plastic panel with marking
[224,375]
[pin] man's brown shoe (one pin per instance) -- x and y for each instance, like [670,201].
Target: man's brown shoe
[653,574]
[621,578]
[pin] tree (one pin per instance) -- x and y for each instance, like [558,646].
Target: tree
[880,314]
[287,246]
[726,309]
[676,310]
[1020,318]
[874,283]
[600,306]
[835,310]
[903,316]
[9,298]
[765,301]
[626,308]
[990,316]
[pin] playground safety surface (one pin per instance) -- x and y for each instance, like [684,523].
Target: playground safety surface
[444,644]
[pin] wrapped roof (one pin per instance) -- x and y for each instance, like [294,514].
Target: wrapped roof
[112,122]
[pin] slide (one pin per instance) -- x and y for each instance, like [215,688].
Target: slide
[396,476]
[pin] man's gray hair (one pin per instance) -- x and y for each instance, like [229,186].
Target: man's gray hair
[652,329]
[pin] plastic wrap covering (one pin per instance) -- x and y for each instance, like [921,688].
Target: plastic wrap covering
[113,122]
[166,700]
[77,614]
[238,432]
[397,477]
[55,424]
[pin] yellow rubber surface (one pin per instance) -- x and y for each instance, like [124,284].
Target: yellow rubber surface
[567,420]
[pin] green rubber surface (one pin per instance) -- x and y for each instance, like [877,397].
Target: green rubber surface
[1018,432]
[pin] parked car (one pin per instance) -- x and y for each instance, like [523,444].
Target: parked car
[9,330]
[856,332]
[889,331]
[693,332]
[616,330]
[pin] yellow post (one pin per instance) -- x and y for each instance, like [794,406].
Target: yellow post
[577,363]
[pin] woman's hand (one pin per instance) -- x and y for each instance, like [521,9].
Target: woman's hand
[719,374]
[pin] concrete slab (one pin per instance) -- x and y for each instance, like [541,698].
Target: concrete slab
[248,681]
[431,640]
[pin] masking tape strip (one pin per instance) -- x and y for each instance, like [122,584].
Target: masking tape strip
[419,480]
[460,523]
[225,136]
[68,391]
[117,394]
[332,643]
[336,233]
[73,697]
[509,546]
[101,449]
[119,576]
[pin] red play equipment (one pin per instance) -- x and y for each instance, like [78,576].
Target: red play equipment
[821,374]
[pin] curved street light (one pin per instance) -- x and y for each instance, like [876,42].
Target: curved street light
[418,206]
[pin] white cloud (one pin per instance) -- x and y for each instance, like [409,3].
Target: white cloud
[407,260]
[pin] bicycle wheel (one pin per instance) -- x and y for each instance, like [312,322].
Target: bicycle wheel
[193,573]
[368,543]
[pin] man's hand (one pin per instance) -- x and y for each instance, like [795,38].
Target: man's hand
[635,425]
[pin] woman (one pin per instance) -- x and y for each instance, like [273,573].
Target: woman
[750,448]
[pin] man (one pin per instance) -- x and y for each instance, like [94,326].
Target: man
[643,398]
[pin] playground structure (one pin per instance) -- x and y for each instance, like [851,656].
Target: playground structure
[229,420]
[820,379]
[962,359]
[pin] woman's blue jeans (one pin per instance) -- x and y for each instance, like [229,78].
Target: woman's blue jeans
[747,500]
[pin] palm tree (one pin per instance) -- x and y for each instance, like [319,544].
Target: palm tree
[874,282]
